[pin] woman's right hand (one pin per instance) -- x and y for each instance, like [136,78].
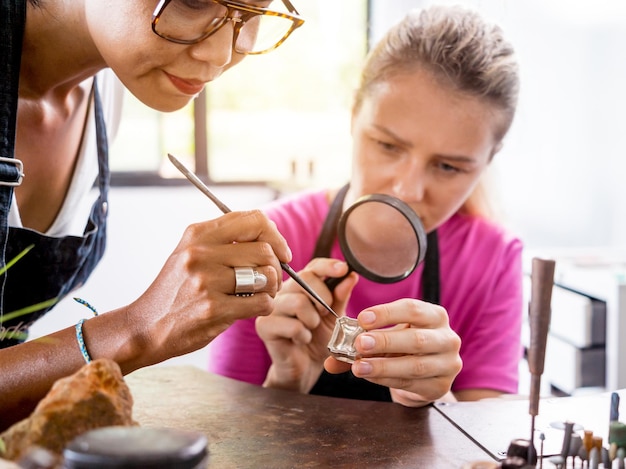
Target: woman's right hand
[192,299]
[189,303]
[297,332]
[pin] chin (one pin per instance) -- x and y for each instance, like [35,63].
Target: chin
[161,98]
[168,105]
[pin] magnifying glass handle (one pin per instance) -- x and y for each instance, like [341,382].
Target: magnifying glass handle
[332,282]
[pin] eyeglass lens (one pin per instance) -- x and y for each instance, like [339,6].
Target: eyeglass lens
[191,20]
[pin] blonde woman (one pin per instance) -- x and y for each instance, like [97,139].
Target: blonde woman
[437,97]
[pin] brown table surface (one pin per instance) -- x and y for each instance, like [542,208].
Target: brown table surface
[250,426]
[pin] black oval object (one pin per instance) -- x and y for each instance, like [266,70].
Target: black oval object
[133,447]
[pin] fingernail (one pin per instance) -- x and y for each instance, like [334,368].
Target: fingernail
[362,368]
[367,342]
[338,265]
[367,317]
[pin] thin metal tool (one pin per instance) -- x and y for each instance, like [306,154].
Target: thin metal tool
[205,190]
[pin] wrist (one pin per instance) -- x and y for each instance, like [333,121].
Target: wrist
[274,380]
[112,335]
[293,380]
[411,399]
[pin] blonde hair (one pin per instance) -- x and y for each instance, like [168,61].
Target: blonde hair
[459,48]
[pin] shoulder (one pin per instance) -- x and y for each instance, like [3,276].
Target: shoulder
[476,232]
[299,218]
[303,208]
[477,241]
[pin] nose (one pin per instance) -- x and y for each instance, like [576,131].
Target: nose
[217,49]
[410,182]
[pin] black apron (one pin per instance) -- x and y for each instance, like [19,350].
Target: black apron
[56,265]
[346,384]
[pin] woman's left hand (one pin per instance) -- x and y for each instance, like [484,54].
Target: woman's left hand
[409,347]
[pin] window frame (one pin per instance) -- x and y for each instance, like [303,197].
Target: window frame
[202,155]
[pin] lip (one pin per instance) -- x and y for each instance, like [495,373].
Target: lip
[186,86]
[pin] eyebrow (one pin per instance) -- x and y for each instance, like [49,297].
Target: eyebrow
[392,135]
[459,158]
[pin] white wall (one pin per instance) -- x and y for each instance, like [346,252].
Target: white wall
[561,174]
[145,224]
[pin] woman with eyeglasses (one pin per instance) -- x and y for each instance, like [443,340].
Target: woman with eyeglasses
[436,99]
[59,98]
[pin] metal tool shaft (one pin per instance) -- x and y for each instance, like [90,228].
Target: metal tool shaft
[195,180]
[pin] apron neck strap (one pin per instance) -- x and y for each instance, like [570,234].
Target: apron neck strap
[329,229]
[12,22]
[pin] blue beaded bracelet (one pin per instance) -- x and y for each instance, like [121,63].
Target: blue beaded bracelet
[81,341]
[79,330]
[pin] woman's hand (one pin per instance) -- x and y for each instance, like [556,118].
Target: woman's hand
[409,347]
[297,332]
[192,299]
[189,303]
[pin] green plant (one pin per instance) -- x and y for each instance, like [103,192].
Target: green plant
[20,312]
[15,259]
[27,309]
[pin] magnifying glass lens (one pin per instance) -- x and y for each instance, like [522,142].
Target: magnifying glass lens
[382,239]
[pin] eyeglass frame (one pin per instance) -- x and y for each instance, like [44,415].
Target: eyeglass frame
[238,22]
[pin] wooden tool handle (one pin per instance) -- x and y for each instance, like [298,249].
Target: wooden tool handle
[542,281]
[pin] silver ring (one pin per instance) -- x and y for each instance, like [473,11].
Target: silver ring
[248,281]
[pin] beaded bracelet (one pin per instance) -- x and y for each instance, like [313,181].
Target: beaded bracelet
[81,341]
[79,331]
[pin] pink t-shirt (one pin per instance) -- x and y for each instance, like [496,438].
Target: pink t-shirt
[481,289]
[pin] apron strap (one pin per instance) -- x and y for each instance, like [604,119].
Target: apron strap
[12,22]
[329,229]
[104,174]
[430,275]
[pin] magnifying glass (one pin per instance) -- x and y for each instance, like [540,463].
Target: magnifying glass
[381,238]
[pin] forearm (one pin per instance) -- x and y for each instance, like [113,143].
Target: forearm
[411,399]
[477,394]
[30,369]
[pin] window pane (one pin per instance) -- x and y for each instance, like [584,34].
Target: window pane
[285,116]
[145,136]
[282,117]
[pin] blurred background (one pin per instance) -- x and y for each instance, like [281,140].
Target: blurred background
[278,123]
[283,118]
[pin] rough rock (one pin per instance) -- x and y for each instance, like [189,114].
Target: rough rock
[95,396]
